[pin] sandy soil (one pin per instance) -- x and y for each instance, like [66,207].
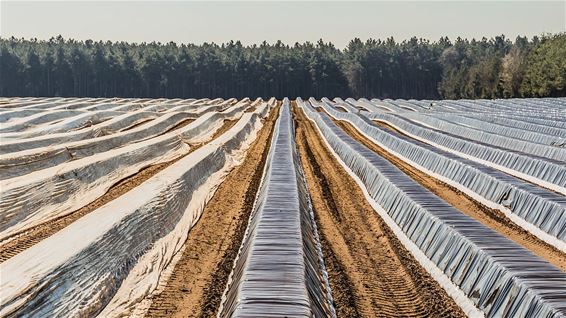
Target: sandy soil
[199,278]
[371,274]
[34,235]
[492,218]
[250,109]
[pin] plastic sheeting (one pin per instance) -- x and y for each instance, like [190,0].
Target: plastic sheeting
[117,124]
[536,149]
[388,105]
[81,104]
[541,172]
[279,271]
[164,106]
[518,124]
[130,106]
[24,162]
[347,106]
[108,127]
[24,123]
[406,106]
[102,106]
[44,110]
[548,137]
[43,104]
[534,111]
[10,114]
[544,209]
[83,269]
[49,193]
[531,107]
[373,107]
[198,109]
[499,276]
[66,125]
[537,120]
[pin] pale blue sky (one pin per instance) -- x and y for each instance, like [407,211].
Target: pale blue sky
[291,21]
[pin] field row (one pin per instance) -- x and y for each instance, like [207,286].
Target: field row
[324,208]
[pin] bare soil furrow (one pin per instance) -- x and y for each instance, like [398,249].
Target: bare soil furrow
[34,235]
[492,218]
[199,278]
[371,274]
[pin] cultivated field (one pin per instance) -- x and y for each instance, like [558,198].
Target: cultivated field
[282,208]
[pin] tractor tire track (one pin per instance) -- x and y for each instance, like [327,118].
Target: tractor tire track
[371,274]
[199,278]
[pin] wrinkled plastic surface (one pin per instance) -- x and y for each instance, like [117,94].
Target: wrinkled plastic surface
[79,270]
[108,127]
[279,270]
[524,131]
[65,125]
[542,151]
[543,208]
[525,165]
[24,123]
[30,199]
[23,162]
[499,276]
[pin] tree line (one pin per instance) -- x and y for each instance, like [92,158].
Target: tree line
[415,68]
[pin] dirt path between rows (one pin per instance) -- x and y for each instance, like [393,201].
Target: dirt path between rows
[370,273]
[36,234]
[199,278]
[491,218]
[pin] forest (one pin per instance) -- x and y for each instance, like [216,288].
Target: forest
[415,68]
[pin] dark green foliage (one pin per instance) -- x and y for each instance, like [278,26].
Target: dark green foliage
[383,69]
[545,70]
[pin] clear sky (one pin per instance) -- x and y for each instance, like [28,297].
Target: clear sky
[290,21]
